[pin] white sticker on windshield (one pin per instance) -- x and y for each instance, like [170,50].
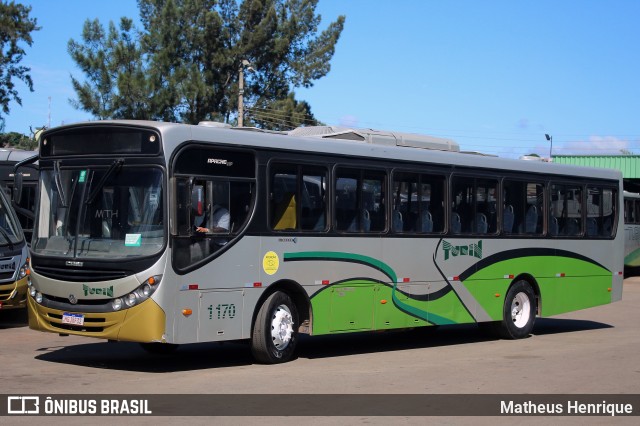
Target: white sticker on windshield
[133,240]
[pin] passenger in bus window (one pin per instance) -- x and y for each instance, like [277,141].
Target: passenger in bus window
[220,220]
[216,218]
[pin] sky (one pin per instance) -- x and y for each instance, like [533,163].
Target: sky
[495,76]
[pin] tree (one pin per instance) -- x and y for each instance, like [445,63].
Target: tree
[282,114]
[184,64]
[15,27]
[17,140]
[112,63]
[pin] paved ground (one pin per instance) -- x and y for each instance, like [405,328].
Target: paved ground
[592,351]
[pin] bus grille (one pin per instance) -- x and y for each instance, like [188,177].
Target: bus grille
[91,325]
[6,276]
[80,275]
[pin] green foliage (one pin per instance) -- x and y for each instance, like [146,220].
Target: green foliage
[112,63]
[17,140]
[183,64]
[15,27]
[282,114]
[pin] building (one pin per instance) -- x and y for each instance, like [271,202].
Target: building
[629,165]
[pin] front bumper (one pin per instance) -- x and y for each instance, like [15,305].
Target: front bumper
[143,323]
[13,295]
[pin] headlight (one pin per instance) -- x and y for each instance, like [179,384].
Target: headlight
[130,299]
[116,304]
[146,290]
[24,269]
[32,292]
[38,297]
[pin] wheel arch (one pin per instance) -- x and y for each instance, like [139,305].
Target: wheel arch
[297,294]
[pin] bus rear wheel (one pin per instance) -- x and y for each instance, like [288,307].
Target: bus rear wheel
[519,312]
[275,331]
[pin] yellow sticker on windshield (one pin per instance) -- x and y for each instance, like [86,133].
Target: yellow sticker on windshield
[270,263]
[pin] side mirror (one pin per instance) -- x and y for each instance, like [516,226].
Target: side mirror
[17,187]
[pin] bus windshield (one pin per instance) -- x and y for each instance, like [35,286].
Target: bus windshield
[108,212]
[10,232]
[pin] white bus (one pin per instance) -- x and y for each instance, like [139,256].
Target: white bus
[168,234]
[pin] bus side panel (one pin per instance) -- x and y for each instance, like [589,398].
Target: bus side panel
[583,285]
[186,326]
[220,295]
[220,316]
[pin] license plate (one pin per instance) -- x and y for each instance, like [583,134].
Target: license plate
[75,319]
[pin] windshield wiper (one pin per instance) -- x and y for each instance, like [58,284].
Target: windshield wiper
[6,237]
[58,180]
[94,192]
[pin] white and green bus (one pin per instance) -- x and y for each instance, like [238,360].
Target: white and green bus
[169,234]
[632,232]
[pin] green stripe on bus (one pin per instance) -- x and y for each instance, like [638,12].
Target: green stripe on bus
[344,257]
[403,307]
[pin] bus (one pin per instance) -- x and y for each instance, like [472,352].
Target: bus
[9,157]
[631,231]
[13,259]
[168,234]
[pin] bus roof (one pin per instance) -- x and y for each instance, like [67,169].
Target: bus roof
[174,134]
[377,137]
[14,155]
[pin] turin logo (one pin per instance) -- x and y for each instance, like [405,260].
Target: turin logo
[474,250]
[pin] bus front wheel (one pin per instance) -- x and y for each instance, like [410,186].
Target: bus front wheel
[275,331]
[519,312]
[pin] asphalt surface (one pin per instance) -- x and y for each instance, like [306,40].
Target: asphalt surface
[594,351]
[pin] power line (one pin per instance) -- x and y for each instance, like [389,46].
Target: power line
[517,145]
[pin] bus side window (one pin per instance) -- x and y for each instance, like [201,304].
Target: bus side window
[523,207]
[601,204]
[418,201]
[297,199]
[284,212]
[360,200]
[566,210]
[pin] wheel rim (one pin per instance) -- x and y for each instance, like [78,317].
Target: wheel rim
[281,327]
[520,310]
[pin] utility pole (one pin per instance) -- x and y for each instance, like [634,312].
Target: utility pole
[241,96]
[550,139]
[243,64]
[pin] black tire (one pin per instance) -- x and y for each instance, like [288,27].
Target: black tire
[159,348]
[519,311]
[275,331]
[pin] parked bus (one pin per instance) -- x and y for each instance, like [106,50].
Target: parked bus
[13,259]
[169,234]
[9,157]
[631,231]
